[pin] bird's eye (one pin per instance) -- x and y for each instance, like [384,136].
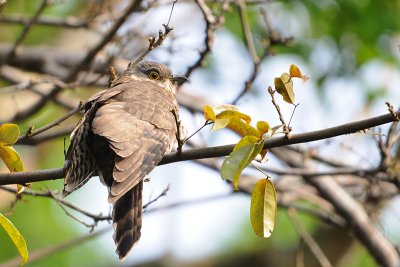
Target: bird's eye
[154,75]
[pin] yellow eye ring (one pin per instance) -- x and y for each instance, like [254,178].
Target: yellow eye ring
[154,75]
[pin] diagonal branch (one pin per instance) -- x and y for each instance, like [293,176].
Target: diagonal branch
[134,6]
[26,30]
[308,239]
[57,122]
[212,23]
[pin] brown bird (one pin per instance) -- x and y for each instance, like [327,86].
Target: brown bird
[124,133]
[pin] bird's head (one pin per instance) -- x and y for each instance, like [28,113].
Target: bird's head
[156,72]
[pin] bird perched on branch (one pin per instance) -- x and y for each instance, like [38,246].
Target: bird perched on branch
[124,133]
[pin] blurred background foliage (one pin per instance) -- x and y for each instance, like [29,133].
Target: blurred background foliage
[335,39]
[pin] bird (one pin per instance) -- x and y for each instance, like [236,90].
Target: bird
[124,133]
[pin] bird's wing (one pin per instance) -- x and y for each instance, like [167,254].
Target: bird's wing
[140,128]
[80,164]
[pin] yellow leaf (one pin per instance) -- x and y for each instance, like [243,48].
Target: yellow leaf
[295,71]
[284,86]
[11,158]
[247,140]
[230,118]
[262,127]
[263,208]
[234,114]
[16,238]
[219,124]
[242,128]
[209,114]
[9,134]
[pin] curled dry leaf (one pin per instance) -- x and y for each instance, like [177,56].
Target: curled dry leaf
[284,86]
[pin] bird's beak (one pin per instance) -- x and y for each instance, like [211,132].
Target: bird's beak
[178,79]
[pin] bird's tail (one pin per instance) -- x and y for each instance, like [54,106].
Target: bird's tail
[127,220]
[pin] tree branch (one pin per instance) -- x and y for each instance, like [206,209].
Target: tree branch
[135,5]
[219,151]
[26,30]
[68,22]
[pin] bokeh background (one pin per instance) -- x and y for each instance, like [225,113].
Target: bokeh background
[351,51]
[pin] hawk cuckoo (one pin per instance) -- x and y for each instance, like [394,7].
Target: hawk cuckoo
[123,135]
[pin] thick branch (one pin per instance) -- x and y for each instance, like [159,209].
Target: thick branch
[283,141]
[383,251]
[212,152]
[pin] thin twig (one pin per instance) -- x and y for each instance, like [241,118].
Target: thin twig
[172,10]
[246,31]
[286,129]
[26,30]
[47,136]
[392,111]
[57,122]
[64,203]
[179,139]
[198,130]
[41,253]
[308,239]
[68,22]
[162,194]
[154,43]
[38,105]
[135,5]
[273,36]
[212,24]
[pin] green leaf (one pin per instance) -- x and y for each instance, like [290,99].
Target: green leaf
[237,160]
[9,134]
[284,86]
[11,158]
[247,140]
[263,208]
[16,238]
